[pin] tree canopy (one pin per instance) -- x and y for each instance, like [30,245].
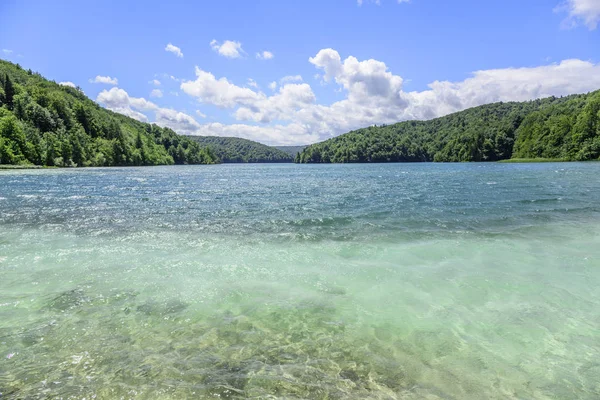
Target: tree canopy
[564,128]
[44,123]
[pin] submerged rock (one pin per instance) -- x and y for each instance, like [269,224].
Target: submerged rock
[153,307]
[69,300]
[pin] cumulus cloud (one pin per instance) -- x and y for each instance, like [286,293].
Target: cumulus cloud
[290,98]
[253,105]
[174,49]
[155,82]
[176,120]
[252,83]
[7,51]
[200,114]
[118,100]
[219,92]
[580,11]
[228,48]
[373,94]
[156,93]
[265,55]
[107,80]
[70,84]
[362,79]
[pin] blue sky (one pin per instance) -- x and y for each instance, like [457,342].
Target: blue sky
[330,66]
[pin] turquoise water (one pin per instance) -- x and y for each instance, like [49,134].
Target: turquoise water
[390,281]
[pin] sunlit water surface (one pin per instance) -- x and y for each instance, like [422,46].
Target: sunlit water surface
[433,281]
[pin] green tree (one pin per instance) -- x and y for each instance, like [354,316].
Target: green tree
[9,91]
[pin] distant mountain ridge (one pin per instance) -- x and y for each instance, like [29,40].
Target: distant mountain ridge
[238,150]
[566,128]
[292,150]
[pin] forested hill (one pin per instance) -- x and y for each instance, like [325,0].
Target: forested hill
[237,150]
[44,123]
[291,150]
[566,128]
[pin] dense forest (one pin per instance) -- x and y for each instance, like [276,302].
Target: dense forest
[566,128]
[44,123]
[237,150]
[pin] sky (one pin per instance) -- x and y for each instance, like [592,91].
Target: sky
[299,72]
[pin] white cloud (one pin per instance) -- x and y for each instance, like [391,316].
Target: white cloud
[118,100]
[70,84]
[178,121]
[290,78]
[253,105]
[200,114]
[155,82]
[219,92]
[290,98]
[372,95]
[581,11]
[175,50]
[156,93]
[265,55]
[364,80]
[228,48]
[105,80]
[7,51]
[252,83]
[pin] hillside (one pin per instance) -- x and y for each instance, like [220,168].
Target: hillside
[44,123]
[565,128]
[291,150]
[237,150]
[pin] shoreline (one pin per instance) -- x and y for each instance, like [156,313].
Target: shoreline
[10,166]
[507,161]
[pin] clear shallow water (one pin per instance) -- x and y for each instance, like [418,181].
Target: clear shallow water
[436,281]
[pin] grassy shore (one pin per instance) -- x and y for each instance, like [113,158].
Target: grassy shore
[9,166]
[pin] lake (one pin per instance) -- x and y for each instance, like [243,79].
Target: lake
[381,281]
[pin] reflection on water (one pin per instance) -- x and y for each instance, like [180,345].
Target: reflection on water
[301,282]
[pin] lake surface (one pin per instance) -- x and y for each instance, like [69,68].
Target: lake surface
[410,281]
